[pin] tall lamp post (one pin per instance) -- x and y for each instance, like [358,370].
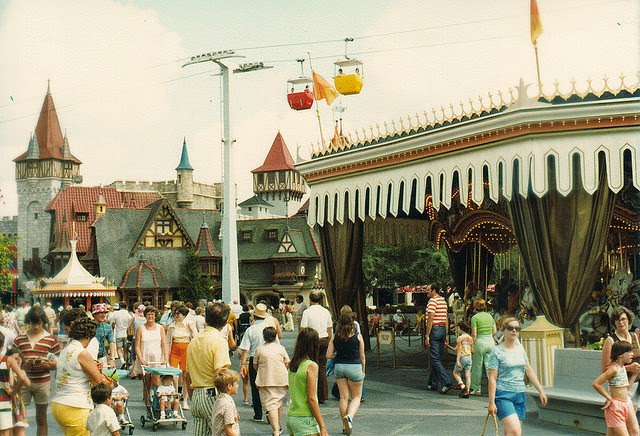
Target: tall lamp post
[230,275]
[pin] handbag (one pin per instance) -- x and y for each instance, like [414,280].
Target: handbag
[486,420]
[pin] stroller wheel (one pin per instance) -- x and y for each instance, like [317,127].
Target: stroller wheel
[130,430]
[155,427]
[142,420]
[184,425]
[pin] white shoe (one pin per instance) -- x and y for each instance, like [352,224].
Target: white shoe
[185,405]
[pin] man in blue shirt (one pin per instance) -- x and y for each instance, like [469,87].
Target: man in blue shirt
[104,335]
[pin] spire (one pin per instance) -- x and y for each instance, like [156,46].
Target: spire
[184,158]
[204,244]
[48,132]
[278,159]
[33,151]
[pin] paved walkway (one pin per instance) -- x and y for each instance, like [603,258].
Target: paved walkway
[396,403]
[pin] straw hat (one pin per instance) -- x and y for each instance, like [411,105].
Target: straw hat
[260,311]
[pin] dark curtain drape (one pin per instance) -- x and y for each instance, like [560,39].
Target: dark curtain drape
[464,266]
[342,247]
[562,240]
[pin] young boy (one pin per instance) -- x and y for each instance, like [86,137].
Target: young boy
[464,349]
[102,419]
[165,392]
[119,395]
[225,415]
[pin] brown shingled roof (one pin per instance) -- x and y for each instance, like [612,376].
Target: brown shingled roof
[49,133]
[82,199]
[278,158]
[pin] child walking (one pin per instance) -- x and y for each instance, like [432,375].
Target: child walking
[225,420]
[102,420]
[619,412]
[464,350]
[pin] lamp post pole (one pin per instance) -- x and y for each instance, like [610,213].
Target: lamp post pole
[230,274]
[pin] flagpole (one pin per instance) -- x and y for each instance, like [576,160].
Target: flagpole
[317,109]
[535,49]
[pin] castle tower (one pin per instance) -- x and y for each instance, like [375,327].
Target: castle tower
[185,179]
[277,181]
[101,206]
[44,169]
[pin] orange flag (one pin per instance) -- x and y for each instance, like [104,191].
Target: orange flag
[536,23]
[323,89]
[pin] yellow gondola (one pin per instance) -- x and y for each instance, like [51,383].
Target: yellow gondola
[348,76]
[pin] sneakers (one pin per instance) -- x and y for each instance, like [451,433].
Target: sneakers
[163,415]
[459,386]
[347,425]
[257,418]
[476,392]
[445,389]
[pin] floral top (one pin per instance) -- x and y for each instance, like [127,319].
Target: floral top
[73,386]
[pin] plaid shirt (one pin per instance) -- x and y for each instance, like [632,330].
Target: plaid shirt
[104,332]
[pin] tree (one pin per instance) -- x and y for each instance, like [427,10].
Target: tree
[193,284]
[7,257]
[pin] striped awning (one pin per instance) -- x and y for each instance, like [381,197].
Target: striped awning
[50,293]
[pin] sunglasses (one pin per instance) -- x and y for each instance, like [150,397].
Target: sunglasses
[514,328]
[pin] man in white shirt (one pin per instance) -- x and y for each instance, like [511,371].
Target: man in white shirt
[319,319]
[51,316]
[120,319]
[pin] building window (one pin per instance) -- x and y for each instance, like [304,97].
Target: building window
[82,216]
[246,235]
[271,234]
[35,216]
[163,226]
[249,208]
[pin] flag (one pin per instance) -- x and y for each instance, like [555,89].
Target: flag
[323,89]
[536,23]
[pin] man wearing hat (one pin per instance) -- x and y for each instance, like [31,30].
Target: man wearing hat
[51,315]
[104,333]
[251,340]
[399,322]
[167,315]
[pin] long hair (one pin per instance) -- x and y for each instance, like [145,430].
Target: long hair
[306,348]
[345,327]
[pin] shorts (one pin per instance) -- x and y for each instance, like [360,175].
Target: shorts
[72,420]
[41,393]
[465,364]
[617,413]
[350,371]
[509,403]
[178,355]
[302,425]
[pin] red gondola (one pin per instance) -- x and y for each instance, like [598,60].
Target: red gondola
[299,93]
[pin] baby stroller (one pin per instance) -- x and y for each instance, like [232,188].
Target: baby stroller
[115,374]
[153,403]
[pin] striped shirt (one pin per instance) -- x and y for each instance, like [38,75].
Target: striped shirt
[42,349]
[438,306]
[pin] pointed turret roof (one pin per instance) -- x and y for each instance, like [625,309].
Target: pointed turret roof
[49,134]
[278,158]
[204,245]
[33,151]
[184,158]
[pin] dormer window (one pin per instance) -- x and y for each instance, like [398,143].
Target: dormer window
[82,216]
[246,235]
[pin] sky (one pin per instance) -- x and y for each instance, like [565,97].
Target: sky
[126,103]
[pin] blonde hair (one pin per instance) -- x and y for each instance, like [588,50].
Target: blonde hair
[224,377]
[345,309]
[508,321]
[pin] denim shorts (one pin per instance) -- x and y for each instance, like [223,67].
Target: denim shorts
[350,371]
[465,363]
[302,425]
[509,403]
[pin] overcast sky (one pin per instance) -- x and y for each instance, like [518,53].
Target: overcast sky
[125,102]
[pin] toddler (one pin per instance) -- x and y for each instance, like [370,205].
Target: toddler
[166,394]
[119,395]
[464,350]
[102,419]
[619,412]
[225,415]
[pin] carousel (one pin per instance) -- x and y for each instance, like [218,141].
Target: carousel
[554,176]
[74,282]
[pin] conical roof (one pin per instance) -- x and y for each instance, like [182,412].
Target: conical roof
[49,134]
[204,244]
[278,158]
[184,158]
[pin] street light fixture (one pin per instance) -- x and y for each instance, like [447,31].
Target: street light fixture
[230,275]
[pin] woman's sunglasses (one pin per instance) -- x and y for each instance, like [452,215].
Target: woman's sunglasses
[514,328]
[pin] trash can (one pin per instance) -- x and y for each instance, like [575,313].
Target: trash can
[540,339]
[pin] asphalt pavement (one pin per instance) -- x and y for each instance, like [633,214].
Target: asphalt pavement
[396,403]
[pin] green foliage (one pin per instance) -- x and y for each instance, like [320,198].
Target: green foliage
[6,259]
[388,267]
[193,285]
